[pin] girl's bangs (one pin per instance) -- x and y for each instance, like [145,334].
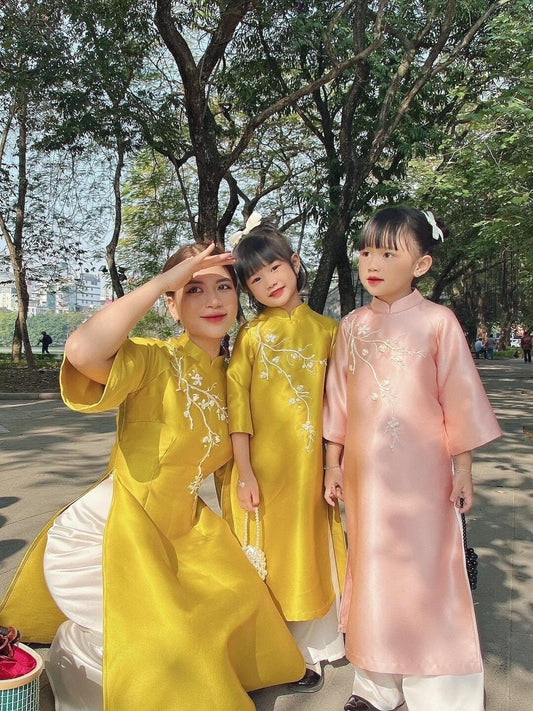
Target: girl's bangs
[256,253]
[385,236]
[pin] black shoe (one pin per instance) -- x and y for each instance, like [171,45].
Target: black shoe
[310,681]
[356,703]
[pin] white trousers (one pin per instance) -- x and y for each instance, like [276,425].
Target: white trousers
[420,693]
[320,640]
[73,572]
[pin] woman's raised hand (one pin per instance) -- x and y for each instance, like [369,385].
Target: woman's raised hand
[180,274]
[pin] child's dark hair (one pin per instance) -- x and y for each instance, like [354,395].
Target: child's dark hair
[191,250]
[263,245]
[402,226]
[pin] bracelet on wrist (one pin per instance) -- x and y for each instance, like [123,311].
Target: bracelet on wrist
[332,466]
[241,484]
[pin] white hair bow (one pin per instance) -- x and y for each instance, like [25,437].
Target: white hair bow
[437,233]
[253,221]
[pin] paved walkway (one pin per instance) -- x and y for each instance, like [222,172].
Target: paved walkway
[48,455]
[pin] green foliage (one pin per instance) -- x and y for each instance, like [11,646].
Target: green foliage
[155,218]
[481,183]
[157,323]
[462,146]
[7,324]
[108,45]
[59,326]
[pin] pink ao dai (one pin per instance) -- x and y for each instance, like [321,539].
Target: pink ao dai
[403,397]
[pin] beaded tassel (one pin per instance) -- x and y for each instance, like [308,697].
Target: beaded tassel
[254,553]
[471,557]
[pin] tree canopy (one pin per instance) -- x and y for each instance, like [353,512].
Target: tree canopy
[319,113]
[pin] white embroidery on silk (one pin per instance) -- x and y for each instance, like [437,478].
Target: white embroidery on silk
[363,343]
[200,401]
[275,359]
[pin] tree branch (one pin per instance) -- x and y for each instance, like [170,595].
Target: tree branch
[291,99]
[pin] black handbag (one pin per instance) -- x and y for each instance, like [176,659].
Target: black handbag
[471,557]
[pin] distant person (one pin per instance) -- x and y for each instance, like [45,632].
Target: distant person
[479,348]
[46,340]
[490,345]
[224,344]
[400,393]
[525,344]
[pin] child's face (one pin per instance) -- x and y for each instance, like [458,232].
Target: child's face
[388,274]
[206,306]
[275,284]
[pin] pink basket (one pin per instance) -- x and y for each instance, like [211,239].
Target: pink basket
[22,693]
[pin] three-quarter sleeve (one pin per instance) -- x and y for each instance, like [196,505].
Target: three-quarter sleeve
[239,380]
[468,416]
[127,372]
[335,407]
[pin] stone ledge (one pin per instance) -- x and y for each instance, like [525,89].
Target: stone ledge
[30,396]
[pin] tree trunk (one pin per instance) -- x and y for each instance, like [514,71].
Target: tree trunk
[213,167]
[20,335]
[333,253]
[200,119]
[346,283]
[505,334]
[110,249]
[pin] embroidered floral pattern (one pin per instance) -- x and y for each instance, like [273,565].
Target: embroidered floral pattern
[275,359]
[199,402]
[363,345]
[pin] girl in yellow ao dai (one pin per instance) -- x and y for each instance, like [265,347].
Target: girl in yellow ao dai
[276,383]
[163,609]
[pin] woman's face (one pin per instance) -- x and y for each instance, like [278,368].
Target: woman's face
[206,307]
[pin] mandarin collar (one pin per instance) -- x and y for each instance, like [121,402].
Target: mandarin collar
[407,302]
[275,311]
[198,354]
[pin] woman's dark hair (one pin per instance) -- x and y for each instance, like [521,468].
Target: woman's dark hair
[190,250]
[396,226]
[263,245]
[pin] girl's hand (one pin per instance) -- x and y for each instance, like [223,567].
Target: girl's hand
[180,274]
[462,489]
[333,485]
[248,495]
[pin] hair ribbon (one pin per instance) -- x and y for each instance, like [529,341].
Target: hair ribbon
[436,231]
[253,221]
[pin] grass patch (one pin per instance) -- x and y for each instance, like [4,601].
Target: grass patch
[508,353]
[41,361]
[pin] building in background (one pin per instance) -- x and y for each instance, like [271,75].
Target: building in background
[87,291]
[8,294]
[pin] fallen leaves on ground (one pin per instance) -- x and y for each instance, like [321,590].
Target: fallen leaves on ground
[25,380]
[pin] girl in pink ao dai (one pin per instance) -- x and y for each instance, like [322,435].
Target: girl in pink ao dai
[400,396]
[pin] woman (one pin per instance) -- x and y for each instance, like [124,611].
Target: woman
[162,608]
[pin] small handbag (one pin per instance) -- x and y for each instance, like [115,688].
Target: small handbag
[254,553]
[471,557]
